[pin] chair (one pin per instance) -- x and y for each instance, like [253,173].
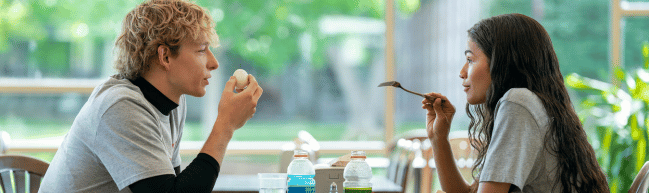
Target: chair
[641,181]
[27,173]
[463,154]
[5,139]
[400,157]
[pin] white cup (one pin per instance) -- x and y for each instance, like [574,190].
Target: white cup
[272,182]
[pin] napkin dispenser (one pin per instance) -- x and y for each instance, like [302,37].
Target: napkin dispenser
[325,176]
[331,172]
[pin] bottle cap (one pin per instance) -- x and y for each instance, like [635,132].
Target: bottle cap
[333,188]
[300,153]
[358,154]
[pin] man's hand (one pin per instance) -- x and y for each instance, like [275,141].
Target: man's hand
[235,109]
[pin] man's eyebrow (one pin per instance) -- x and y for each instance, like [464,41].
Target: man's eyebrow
[467,51]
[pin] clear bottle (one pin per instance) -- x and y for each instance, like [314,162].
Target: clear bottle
[357,174]
[301,173]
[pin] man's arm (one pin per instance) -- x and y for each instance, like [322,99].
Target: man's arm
[235,109]
[199,176]
[217,142]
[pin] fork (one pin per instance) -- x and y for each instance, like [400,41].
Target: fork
[398,85]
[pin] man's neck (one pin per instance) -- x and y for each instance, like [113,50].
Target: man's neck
[159,81]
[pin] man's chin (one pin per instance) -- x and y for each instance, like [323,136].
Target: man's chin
[198,94]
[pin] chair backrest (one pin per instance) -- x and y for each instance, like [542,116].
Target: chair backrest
[394,157]
[641,182]
[401,157]
[4,142]
[27,173]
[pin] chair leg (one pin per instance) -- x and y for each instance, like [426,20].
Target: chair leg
[7,186]
[19,180]
[34,183]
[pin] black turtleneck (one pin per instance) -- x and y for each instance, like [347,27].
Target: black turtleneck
[199,176]
[154,96]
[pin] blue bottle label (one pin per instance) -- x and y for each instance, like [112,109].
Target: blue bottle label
[310,189]
[301,180]
[301,184]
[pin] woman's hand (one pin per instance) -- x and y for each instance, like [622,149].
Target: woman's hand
[439,116]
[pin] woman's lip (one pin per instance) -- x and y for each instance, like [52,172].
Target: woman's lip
[466,89]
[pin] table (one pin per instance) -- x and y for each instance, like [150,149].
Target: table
[250,184]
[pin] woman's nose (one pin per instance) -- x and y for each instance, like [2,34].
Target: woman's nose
[463,72]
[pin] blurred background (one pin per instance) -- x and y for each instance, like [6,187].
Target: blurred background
[319,62]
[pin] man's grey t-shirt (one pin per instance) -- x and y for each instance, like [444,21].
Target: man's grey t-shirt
[516,153]
[117,138]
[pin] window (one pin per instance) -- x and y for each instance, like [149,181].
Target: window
[318,61]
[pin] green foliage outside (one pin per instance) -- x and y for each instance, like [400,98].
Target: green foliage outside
[578,29]
[619,115]
[260,33]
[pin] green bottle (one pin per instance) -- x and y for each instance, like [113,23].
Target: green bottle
[357,174]
[358,190]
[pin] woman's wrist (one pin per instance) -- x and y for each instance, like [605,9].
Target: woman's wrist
[435,139]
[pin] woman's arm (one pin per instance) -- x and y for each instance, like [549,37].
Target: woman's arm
[438,123]
[449,175]
[493,187]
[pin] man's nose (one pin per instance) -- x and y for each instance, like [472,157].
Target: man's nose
[212,63]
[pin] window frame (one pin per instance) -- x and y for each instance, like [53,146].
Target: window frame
[620,10]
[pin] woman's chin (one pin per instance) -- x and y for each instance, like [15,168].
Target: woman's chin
[474,100]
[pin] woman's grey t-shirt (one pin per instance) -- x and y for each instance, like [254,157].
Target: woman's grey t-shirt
[117,138]
[516,153]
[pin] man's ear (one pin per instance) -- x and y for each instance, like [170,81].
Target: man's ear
[163,56]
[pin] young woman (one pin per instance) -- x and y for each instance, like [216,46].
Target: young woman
[523,126]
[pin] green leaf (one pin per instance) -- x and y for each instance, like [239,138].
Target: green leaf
[408,7]
[575,81]
[636,133]
[619,73]
[640,153]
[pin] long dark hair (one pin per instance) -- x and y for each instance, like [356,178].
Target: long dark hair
[521,55]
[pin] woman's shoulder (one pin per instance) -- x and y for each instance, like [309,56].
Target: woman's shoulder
[523,97]
[525,100]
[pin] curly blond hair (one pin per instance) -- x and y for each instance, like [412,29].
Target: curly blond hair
[159,22]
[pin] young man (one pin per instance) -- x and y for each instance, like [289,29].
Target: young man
[125,138]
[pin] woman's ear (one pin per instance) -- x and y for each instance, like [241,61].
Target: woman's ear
[163,56]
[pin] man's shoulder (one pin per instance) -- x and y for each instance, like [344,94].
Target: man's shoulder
[116,90]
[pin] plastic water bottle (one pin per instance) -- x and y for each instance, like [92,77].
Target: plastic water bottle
[357,174]
[300,173]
